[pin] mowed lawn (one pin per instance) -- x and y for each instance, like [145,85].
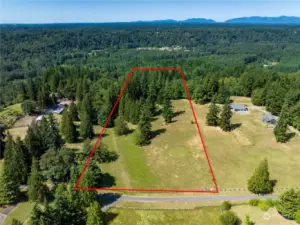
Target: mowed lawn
[175,158]
[208,215]
[21,213]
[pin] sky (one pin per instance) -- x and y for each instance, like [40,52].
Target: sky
[70,11]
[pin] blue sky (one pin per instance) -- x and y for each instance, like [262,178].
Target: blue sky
[52,11]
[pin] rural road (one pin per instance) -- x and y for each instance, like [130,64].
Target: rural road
[112,199]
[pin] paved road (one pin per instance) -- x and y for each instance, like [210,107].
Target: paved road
[145,199]
[193,198]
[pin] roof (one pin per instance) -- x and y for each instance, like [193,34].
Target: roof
[238,106]
[268,117]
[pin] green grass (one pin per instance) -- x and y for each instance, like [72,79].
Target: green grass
[175,157]
[208,215]
[10,114]
[21,213]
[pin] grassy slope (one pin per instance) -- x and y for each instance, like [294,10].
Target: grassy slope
[175,158]
[21,213]
[143,217]
[9,115]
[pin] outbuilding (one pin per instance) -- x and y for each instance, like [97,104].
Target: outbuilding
[268,118]
[238,108]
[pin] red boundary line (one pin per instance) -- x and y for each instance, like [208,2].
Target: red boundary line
[107,121]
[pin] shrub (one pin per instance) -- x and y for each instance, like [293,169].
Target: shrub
[229,218]
[297,216]
[226,206]
[263,205]
[254,202]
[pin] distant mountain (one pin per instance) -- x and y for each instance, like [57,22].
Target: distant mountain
[265,20]
[170,21]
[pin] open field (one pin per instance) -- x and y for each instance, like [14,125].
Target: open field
[175,158]
[207,215]
[21,213]
[10,114]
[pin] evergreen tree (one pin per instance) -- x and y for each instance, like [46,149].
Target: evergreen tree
[42,133]
[9,188]
[36,188]
[143,130]
[259,182]
[70,133]
[2,143]
[150,105]
[289,204]
[41,99]
[32,141]
[52,137]
[63,121]
[20,164]
[94,214]
[73,111]
[212,118]
[86,127]
[225,120]
[168,111]
[121,127]
[86,107]
[280,130]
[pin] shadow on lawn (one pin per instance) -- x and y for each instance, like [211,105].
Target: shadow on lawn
[178,113]
[235,126]
[158,132]
[108,180]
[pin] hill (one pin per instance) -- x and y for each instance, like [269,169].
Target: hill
[265,20]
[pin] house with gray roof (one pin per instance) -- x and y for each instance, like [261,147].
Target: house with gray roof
[268,118]
[238,108]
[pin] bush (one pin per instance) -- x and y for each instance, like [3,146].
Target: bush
[229,218]
[254,202]
[264,205]
[297,216]
[226,206]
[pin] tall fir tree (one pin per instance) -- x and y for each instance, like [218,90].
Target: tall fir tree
[212,118]
[120,127]
[70,133]
[21,163]
[63,122]
[73,111]
[86,126]
[168,111]
[52,137]
[2,143]
[225,120]
[143,130]
[9,188]
[94,214]
[32,141]
[36,188]
[259,182]
[280,130]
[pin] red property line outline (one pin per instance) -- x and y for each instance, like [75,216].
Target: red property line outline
[107,121]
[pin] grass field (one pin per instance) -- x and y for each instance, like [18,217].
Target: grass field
[207,216]
[10,114]
[175,157]
[21,213]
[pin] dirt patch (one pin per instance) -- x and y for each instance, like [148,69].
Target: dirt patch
[241,138]
[24,121]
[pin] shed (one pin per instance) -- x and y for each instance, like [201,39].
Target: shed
[268,118]
[238,108]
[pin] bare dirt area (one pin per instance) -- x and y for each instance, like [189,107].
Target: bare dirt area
[24,121]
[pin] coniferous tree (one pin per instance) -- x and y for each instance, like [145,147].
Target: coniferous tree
[41,100]
[70,133]
[63,121]
[259,182]
[42,133]
[225,120]
[280,130]
[2,143]
[21,163]
[9,188]
[143,130]
[168,111]
[288,204]
[32,141]
[86,126]
[73,111]
[36,188]
[212,118]
[94,214]
[52,137]
[121,127]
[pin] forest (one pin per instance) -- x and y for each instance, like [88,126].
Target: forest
[89,65]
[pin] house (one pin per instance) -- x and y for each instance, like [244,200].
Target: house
[268,118]
[238,108]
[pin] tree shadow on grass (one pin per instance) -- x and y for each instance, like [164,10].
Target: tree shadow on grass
[235,126]
[178,113]
[273,183]
[108,198]
[158,112]
[109,217]
[158,132]
[108,180]
[290,136]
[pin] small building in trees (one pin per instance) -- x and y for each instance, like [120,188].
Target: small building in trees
[268,119]
[241,108]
